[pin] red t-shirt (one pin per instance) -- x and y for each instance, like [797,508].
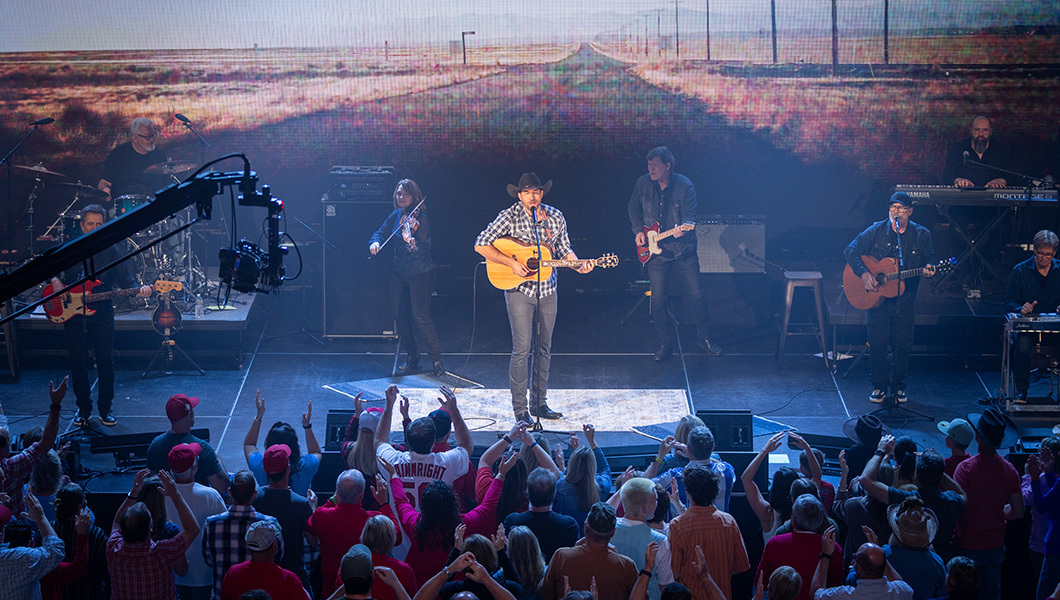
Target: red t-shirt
[382,591]
[339,527]
[951,463]
[800,551]
[280,583]
[989,480]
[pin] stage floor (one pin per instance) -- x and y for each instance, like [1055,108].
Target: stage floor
[591,351]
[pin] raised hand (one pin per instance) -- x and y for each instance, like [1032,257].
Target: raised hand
[507,464]
[477,573]
[259,404]
[799,442]
[887,443]
[138,482]
[381,490]
[499,539]
[462,562]
[590,434]
[1034,466]
[387,576]
[699,564]
[458,536]
[449,401]
[870,535]
[312,497]
[625,476]
[403,407]
[83,521]
[391,395]
[358,404]
[760,587]
[307,416]
[828,539]
[666,445]
[774,443]
[169,487]
[649,555]
[34,511]
[390,469]
[57,394]
[573,441]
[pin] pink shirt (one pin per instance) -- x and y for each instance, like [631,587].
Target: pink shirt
[989,480]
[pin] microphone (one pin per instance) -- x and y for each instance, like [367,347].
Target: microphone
[533,214]
[43,121]
[966,155]
[182,119]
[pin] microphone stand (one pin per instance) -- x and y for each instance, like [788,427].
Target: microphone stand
[10,195]
[534,331]
[1035,182]
[190,266]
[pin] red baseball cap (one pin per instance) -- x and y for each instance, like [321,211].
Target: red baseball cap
[182,457]
[276,458]
[5,515]
[178,406]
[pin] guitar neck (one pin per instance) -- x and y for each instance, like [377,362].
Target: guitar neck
[906,274]
[108,295]
[566,263]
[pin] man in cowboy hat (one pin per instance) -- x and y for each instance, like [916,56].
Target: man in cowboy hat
[865,431]
[994,497]
[913,527]
[891,323]
[531,305]
[669,199]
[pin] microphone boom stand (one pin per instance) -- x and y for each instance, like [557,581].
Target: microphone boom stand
[7,160]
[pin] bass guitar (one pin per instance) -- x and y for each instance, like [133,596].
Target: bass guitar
[61,309]
[890,281]
[653,237]
[501,276]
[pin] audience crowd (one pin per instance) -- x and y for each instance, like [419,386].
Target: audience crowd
[415,517]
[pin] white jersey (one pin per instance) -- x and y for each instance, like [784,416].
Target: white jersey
[417,470]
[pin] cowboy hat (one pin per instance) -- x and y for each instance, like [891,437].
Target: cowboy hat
[913,524]
[529,181]
[995,428]
[865,430]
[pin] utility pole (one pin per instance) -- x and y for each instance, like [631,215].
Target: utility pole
[773,18]
[463,42]
[708,29]
[835,38]
[886,32]
[677,27]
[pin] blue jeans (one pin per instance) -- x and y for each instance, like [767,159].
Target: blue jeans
[684,272]
[526,314]
[989,563]
[1049,576]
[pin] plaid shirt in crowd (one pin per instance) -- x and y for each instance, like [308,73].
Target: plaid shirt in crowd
[515,222]
[143,570]
[16,471]
[224,540]
[22,568]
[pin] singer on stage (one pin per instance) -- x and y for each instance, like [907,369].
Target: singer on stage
[123,171]
[892,321]
[977,147]
[531,305]
[412,282]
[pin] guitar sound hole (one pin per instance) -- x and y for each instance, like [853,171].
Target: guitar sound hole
[532,263]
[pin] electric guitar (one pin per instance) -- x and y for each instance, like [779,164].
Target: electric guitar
[501,276]
[653,237]
[889,279]
[73,303]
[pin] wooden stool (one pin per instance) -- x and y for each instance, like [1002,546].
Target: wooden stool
[797,279]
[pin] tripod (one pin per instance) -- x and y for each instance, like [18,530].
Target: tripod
[167,354]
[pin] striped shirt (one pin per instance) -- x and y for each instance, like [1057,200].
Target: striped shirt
[515,222]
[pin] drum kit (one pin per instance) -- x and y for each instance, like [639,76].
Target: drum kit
[171,259]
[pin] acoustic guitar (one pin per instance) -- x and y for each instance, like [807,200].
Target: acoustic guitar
[890,281]
[73,303]
[501,276]
[653,237]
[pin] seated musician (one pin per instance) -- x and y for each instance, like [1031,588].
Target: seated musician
[531,305]
[978,147]
[891,323]
[1033,288]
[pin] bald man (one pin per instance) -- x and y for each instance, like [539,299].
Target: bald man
[980,147]
[876,578]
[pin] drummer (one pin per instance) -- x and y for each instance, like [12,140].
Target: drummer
[123,171]
[1033,288]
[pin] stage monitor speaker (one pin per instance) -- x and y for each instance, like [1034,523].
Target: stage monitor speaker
[724,243]
[356,287]
[739,462]
[335,428]
[732,429]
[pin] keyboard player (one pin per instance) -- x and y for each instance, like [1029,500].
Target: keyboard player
[1033,288]
[978,146]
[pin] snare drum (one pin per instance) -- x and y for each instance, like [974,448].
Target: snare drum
[124,204]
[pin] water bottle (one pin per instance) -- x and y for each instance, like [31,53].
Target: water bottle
[200,309]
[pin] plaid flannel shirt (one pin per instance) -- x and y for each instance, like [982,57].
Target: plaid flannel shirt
[143,569]
[16,469]
[224,540]
[515,222]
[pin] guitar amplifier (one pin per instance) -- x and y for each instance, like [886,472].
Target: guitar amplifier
[361,183]
[725,243]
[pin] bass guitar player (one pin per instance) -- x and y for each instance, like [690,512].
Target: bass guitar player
[890,324]
[96,329]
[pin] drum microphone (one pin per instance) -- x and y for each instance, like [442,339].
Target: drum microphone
[43,121]
[187,121]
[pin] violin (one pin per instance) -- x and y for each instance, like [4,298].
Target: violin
[408,229]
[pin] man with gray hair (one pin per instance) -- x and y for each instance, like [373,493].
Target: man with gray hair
[123,171]
[204,502]
[700,448]
[339,522]
[876,579]
[799,549]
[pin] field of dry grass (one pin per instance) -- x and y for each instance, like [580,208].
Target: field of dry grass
[94,95]
[889,125]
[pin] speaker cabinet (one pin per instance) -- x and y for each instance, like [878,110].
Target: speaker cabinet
[726,243]
[356,287]
[732,429]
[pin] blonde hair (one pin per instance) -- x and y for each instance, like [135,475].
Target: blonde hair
[685,425]
[362,457]
[784,584]
[635,493]
[379,534]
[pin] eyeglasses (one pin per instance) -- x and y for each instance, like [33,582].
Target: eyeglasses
[148,137]
[900,208]
[1045,254]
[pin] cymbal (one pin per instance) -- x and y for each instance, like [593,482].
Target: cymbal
[81,188]
[170,167]
[38,169]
